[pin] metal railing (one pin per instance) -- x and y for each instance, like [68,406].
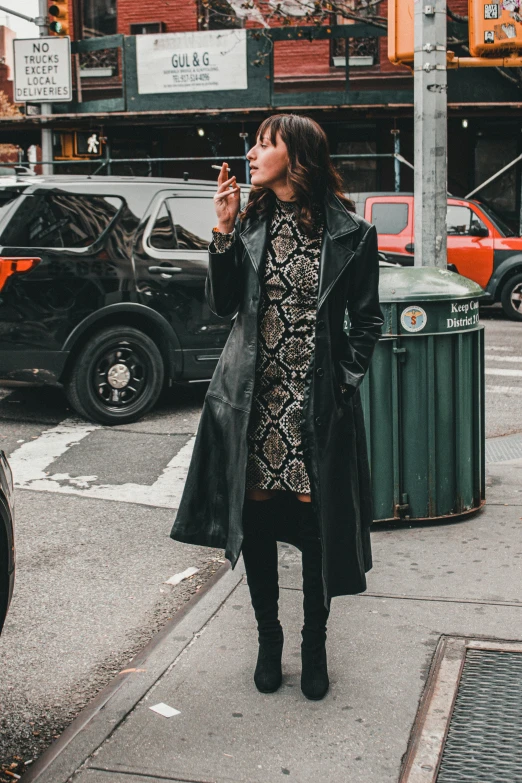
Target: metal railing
[107,162]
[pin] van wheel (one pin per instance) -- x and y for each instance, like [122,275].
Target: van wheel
[117,376]
[512,298]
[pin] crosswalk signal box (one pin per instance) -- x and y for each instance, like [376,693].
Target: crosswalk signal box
[495,29]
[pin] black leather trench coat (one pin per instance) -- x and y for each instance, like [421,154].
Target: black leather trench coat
[332,426]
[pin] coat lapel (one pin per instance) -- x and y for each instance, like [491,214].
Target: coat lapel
[336,251]
[255,237]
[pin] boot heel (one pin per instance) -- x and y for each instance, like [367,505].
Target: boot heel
[268,675]
[314,674]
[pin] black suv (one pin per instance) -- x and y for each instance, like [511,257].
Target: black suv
[102,289]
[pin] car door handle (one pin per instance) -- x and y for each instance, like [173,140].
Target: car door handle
[164,270]
[410,248]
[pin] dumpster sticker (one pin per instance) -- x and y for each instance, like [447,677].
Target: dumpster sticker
[414,318]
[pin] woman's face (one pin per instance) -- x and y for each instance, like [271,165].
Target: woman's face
[268,162]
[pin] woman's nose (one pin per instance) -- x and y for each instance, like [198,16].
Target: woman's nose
[250,154]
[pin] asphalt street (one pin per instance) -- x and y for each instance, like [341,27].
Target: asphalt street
[94,510]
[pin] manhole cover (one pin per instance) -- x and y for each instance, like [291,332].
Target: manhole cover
[502,449]
[469,724]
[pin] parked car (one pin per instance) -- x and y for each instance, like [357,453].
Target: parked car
[7,548]
[480,245]
[102,289]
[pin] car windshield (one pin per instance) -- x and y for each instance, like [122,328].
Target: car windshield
[504,229]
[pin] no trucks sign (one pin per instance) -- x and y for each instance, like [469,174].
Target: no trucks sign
[42,70]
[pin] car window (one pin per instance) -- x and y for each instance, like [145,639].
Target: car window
[162,235]
[60,220]
[502,227]
[391,218]
[460,220]
[193,219]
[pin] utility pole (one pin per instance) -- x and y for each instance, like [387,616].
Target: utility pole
[45,108]
[430,132]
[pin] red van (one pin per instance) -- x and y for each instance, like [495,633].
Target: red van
[480,245]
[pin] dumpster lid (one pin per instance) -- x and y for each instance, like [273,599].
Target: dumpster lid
[424,283]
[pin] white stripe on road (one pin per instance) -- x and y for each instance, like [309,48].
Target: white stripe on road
[504,389]
[498,348]
[491,357]
[29,463]
[501,371]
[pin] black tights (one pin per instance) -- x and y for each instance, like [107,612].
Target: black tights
[263,521]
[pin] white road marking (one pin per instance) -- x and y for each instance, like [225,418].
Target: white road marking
[5,393]
[29,463]
[501,371]
[498,348]
[492,357]
[504,389]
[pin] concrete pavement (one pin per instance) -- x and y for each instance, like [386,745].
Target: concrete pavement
[461,578]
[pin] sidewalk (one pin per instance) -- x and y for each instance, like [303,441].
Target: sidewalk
[462,578]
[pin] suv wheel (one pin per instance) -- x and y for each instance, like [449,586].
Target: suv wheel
[117,376]
[512,298]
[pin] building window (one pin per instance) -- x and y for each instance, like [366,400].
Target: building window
[359,174]
[218,16]
[362,52]
[98,18]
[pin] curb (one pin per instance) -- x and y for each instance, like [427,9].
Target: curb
[102,716]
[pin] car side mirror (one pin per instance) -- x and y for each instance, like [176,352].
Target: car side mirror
[478,231]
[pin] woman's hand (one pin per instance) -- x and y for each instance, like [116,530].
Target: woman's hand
[226,201]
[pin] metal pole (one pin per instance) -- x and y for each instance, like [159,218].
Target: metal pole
[430,132]
[45,108]
[244,136]
[396,162]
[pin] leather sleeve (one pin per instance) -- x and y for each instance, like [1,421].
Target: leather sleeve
[224,282]
[364,312]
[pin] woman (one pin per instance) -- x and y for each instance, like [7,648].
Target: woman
[280,453]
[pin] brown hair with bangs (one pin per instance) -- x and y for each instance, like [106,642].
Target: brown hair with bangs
[311,172]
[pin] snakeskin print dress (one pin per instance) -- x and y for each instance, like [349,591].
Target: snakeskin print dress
[285,347]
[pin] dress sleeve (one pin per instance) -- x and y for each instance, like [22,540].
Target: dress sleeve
[221,242]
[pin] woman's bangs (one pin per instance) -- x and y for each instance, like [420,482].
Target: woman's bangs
[270,126]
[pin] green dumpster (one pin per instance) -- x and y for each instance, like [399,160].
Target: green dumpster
[423,397]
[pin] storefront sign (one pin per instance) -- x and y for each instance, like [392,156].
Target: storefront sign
[42,70]
[192,62]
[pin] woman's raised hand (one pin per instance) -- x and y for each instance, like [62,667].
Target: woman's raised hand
[226,201]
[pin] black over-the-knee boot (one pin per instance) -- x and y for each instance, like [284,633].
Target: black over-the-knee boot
[260,558]
[314,673]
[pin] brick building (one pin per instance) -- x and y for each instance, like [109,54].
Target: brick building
[304,75]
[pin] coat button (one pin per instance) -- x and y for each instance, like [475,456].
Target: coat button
[318,421]
[319,372]
[320,325]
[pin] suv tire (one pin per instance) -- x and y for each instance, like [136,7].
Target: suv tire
[512,307]
[117,376]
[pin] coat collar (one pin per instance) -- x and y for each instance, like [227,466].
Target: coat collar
[336,251]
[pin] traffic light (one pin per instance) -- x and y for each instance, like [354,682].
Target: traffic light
[58,17]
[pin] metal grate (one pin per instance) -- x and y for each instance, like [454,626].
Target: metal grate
[484,741]
[505,448]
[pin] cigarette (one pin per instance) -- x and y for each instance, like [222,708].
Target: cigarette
[214,166]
